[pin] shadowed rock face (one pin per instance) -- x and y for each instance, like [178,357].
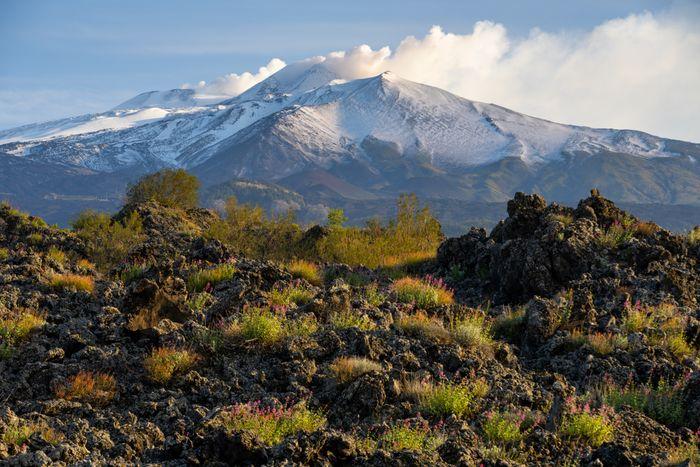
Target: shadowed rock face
[558,265]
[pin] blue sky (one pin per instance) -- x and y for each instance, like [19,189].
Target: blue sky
[68,57]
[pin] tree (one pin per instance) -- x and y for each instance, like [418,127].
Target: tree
[169,187]
[336,218]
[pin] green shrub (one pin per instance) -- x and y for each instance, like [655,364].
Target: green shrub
[306,270]
[472,331]
[4,254]
[592,427]
[372,294]
[165,362]
[108,241]
[404,437]
[56,255]
[502,428]
[169,187]
[132,272]
[272,425]
[423,294]
[293,295]
[259,326]
[618,233]
[199,280]
[445,399]
[303,326]
[663,403]
[351,319]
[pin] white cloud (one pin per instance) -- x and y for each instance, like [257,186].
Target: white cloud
[640,72]
[234,84]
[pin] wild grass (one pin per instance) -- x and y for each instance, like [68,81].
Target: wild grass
[502,428]
[14,329]
[108,241]
[302,269]
[421,325]
[203,278]
[663,324]
[351,319]
[95,388]
[304,326]
[618,233]
[347,369]
[694,236]
[259,326]
[472,331]
[600,343]
[445,399]
[4,254]
[295,294]
[132,272]
[57,256]
[372,294]
[405,437]
[166,362]
[565,219]
[663,403]
[510,324]
[591,426]
[271,425]
[18,432]
[421,293]
[74,282]
[84,265]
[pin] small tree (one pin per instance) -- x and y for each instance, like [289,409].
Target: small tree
[336,218]
[169,187]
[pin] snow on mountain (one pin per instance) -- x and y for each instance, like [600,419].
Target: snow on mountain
[317,117]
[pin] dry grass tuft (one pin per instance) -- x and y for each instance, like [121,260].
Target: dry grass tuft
[165,362]
[96,388]
[348,369]
[73,282]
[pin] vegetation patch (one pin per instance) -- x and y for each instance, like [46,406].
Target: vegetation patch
[594,427]
[663,403]
[295,294]
[411,437]
[165,362]
[472,331]
[56,255]
[271,425]
[86,386]
[74,282]
[351,319]
[199,280]
[17,432]
[302,269]
[421,293]
[421,325]
[347,369]
[108,241]
[445,399]
[14,329]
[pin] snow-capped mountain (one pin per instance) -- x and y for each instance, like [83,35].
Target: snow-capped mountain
[309,129]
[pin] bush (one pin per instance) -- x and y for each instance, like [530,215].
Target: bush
[618,233]
[174,188]
[446,399]
[348,369]
[56,255]
[18,432]
[164,363]
[423,294]
[351,319]
[593,427]
[199,280]
[74,282]
[259,326]
[306,270]
[272,425]
[404,437]
[108,241]
[296,294]
[663,403]
[95,388]
[472,331]
[420,325]
[502,428]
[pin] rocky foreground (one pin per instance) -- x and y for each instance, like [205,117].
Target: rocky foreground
[579,347]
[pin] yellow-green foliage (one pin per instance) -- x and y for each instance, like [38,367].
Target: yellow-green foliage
[420,325]
[603,343]
[170,187]
[472,331]
[694,236]
[302,269]
[200,279]
[4,254]
[73,282]
[16,328]
[259,326]
[618,233]
[84,265]
[351,319]
[565,219]
[502,428]
[35,238]
[404,437]
[165,362]
[372,294]
[663,324]
[421,293]
[248,231]
[347,369]
[18,432]
[108,241]
[445,399]
[56,255]
[292,295]
[300,327]
[414,235]
[274,424]
[594,429]
[664,403]
[96,388]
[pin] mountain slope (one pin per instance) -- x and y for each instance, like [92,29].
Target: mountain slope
[334,140]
